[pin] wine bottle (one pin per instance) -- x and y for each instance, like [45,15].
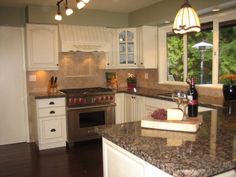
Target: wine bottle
[193,100]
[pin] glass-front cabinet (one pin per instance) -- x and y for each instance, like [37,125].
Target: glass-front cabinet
[127,47]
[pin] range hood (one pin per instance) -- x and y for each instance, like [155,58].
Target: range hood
[84,38]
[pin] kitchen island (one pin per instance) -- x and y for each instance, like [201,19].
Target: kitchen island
[208,152]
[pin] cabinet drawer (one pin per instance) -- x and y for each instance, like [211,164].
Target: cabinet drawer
[48,112]
[52,130]
[52,102]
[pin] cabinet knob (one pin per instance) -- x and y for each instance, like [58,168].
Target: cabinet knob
[52,112]
[135,63]
[141,63]
[53,130]
[51,103]
[108,64]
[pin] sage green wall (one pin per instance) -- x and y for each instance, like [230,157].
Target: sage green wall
[166,10]
[45,14]
[12,16]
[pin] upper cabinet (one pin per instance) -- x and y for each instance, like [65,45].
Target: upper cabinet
[134,48]
[42,47]
[127,50]
[147,47]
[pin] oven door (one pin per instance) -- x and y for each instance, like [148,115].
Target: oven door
[81,122]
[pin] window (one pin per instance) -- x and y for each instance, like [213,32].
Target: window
[205,55]
[227,47]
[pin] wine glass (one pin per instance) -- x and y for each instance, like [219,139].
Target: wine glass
[176,98]
[184,103]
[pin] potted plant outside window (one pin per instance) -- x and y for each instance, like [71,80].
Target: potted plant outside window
[229,86]
[131,81]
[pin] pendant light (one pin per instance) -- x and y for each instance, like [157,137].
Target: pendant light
[186,20]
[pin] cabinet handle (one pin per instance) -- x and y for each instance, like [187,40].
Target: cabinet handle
[141,63]
[52,112]
[107,63]
[53,130]
[51,103]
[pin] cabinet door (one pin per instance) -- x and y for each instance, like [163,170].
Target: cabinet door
[119,99]
[128,108]
[111,56]
[42,47]
[127,55]
[138,108]
[147,47]
[117,163]
[52,130]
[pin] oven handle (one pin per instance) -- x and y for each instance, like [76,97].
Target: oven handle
[95,106]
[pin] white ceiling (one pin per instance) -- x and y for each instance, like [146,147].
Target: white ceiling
[106,5]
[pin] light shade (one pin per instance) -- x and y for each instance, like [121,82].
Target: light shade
[186,20]
[80,4]
[69,11]
[58,17]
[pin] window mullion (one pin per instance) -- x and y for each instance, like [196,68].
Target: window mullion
[215,63]
[185,56]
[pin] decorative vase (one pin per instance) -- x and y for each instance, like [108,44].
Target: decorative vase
[131,85]
[229,92]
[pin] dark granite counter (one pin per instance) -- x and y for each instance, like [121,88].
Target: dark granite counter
[206,101]
[210,151]
[44,95]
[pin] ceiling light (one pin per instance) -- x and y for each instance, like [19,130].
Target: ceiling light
[215,10]
[58,16]
[186,20]
[69,11]
[167,21]
[80,4]
[86,1]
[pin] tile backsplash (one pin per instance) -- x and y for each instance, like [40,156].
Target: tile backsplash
[81,70]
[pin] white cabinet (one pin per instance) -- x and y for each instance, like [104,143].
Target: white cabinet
[51,123]
[42,47]
[133,108]
[147,47]
[119,99]
[127,48]
[118,162]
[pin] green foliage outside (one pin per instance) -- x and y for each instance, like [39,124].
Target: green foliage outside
[227,50]
[175,57]
[227,54]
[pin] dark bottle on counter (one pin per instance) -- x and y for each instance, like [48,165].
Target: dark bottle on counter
[193,100]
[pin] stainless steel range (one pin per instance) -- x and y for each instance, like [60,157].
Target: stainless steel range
[88,108]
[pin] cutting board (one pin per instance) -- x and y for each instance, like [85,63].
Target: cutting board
[189,125]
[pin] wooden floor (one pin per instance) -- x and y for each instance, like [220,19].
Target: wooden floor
[24,160]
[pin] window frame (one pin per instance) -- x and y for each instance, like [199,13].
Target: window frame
[216,19]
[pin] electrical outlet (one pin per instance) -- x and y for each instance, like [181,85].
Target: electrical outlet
[32,78]
[146,75]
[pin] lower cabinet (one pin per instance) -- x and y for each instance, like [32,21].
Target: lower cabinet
[118,162]
[50,122]
[130,107]
[133,107]
[119,109]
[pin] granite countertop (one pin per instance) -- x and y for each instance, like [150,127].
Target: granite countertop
[43,95]
[206,101]
[209,151]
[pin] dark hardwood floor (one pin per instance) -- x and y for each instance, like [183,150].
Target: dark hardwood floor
[24,160]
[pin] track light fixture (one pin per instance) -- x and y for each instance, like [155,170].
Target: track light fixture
[68,11]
